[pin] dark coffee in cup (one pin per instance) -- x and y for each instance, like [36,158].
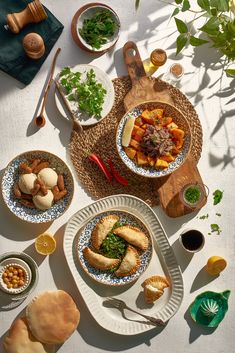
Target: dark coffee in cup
[192,240]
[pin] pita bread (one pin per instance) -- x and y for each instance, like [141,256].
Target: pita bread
[20,340]
[52,317]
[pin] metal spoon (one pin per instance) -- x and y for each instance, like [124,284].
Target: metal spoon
[40,120]
[76,125]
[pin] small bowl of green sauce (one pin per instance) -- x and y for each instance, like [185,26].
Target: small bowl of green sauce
[194,195]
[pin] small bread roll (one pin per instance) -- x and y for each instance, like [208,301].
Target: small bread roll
[52,317]
[20,340]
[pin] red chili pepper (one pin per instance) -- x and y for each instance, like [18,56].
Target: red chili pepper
[120,179]
[93,157]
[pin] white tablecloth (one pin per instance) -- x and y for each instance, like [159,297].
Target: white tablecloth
[149,28]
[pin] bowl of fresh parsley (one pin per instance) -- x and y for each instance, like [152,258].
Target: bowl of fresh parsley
[95,28]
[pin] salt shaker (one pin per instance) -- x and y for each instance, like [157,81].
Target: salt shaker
[33,45]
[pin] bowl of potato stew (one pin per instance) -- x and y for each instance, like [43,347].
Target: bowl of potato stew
[153,139]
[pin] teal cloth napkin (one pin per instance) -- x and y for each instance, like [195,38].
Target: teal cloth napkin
[13,59]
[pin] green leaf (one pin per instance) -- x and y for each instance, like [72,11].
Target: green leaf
[230,72]
[175,12]
[181,42]
[181,26]
[178,1]
[186,6]
[195,42]
[211,26]
[204,4]
[214,11]
[220,5]
[217,194]
[137,3]
[215,228]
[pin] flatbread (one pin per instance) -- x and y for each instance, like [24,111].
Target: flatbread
[52,317]
[21,340]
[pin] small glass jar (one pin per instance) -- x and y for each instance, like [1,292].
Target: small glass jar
[157,58]
[174,74]
[193,195]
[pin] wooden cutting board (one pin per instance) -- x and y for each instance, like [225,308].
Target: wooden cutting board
[145,89]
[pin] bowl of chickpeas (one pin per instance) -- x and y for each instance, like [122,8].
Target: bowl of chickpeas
[15,275]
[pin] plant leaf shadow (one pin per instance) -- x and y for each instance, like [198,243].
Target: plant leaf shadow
[228,158]
[196,330]
[202,279]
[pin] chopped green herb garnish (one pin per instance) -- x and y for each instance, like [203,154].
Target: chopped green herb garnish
[217,194]
[218,214]
[89,94]
[97,29]
[192,195]
[215,228]
[204,216]
[113,246]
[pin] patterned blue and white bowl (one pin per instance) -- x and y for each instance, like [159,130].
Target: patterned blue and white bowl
[33,215]
[178,118]
[106,277]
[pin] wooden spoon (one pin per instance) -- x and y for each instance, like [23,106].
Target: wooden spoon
[76,125]
[40,120]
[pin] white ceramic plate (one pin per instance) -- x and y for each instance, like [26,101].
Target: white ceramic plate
[101,77]
[163,263]
[107,277]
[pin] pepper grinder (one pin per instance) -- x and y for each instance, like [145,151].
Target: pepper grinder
[33,13]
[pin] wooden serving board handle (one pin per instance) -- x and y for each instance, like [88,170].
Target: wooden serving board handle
[143,88]
[133,62]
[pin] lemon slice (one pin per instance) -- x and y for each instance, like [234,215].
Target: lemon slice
[45,244]
[127,131]
[215,265]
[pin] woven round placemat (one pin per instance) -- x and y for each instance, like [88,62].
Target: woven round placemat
[101,140]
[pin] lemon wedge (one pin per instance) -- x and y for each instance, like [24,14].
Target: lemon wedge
[215,265]
[127,131]
[45,244]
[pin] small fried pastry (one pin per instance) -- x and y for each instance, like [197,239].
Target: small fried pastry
[98,261]
[133,236]
[101,230]
[52,317]
[20,340]
[154,288]
[130,263]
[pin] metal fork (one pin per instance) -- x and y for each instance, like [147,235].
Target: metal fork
[121,305]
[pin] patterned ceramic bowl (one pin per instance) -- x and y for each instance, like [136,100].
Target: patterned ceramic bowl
[10,257]
[8,266]
[34,215]
[178,118]
[108,277]
[86,12]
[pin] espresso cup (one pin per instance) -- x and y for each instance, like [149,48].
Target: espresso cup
[192,240]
